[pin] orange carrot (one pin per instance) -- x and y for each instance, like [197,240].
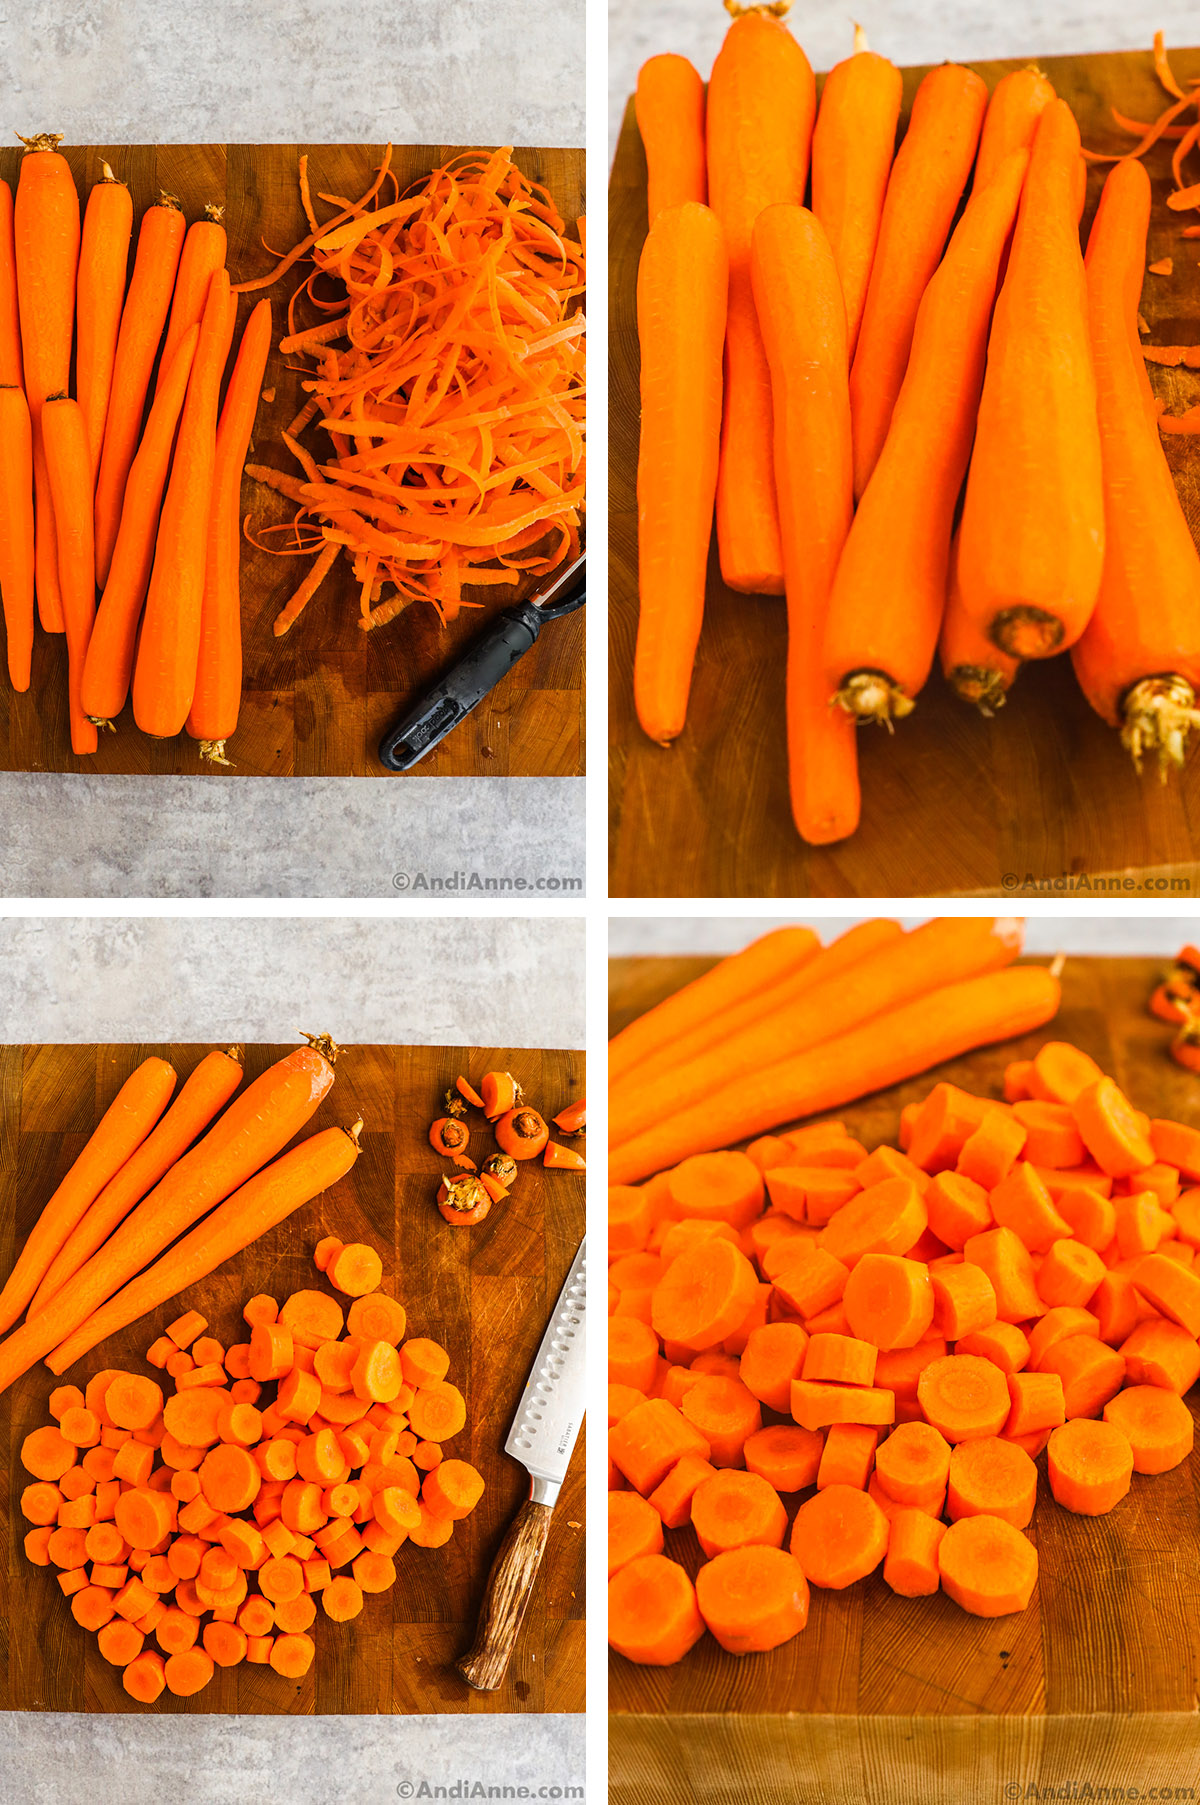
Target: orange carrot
[201,256]
[761,104]
[885,612]
[839,1536]
[69,474]
[1011,121]
[987,1567]
[853,145]
[1138,662]
[990,1477]
[109,664]
[1090,1466]
[164,675]
[17,531]
[46,228]
[670,117]
[978,671]
[652,1613]
[122,1129]
[683,279]
[802,318]
[160,240]
[214,711]
[103,254]
[889,1300]
[1030,564]
[899,1045]
[12,373]
[753,1598]
[1157,1424]
[924,188]
[911,1567]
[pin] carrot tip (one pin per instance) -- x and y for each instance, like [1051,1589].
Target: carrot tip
[975,683]
[872,696]
[99,722]
[214,752]
[1025,632]
[1160,713]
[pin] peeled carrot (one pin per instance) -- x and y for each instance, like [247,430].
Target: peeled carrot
[1011,121]
[978,671]
[160,241]
[213,715]
[17,530]
[987,1566]
[889,594]
[737,1510]
[652,1613]
[899,1045]
[1157,1424]
[670,117]
[125,1124]
[109,664]
[103,254]
[1031,545]
[854,142]
[839,1536]
[201,256]
[683,279]
[1090,1466]
[202,1096]
[761,104]
[753,1598]
[164,674]
[69,474]
[1138,661]
[46,228]
[802,318]
[924,188]
[12,373]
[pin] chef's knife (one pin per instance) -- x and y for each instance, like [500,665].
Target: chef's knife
[439,710]
[542,1436]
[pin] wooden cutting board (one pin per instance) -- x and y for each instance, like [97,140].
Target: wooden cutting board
[953,804]
[316,702]
[890,1699]
[485,1294]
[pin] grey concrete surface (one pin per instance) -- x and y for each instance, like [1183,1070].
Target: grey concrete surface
[501,981]
[57,1759]
[909,31]
[291,836]
[1130,936]
[424,71]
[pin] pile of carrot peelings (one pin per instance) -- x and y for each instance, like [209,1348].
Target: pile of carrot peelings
[445,426]
[1172,124]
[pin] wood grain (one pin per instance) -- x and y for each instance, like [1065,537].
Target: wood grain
[485,1293]
[316,702]
[890,1699]
[953,802]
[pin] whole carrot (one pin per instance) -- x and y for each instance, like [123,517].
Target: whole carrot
[203,254]
[16,531]
[1138,660]
[160,240]
[69,468]
[923,192]
[670,116]
[895,1046]
[12,374]
[885,612]
[103,255]
[803,320]
[109,664]
[46,228]
[853,144]
[761,101]
[164,673]
[217,699]
[682,286]
[1031,547]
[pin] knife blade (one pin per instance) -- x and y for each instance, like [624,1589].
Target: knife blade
[542,1438]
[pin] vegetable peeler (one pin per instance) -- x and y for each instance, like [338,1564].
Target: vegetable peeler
[439,710]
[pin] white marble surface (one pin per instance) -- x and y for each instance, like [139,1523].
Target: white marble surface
[57,1759]
[502,981]
[909,31]
[1144,936]
[424,71]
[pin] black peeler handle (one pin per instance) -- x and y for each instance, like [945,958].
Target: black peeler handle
[438,711]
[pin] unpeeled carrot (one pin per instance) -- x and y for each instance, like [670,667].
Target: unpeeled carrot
[213,715]
[46,228]
[164,673]
[69,474]
[103,254]
[683,281]
[802,318]
[160,241]
[17,560]
[670,117]
[761,104]
[109,664]
[924,188]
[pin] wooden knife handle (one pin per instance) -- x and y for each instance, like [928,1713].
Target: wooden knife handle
[510,1582]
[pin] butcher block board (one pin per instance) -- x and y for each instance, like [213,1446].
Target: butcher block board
[485,1293]
[316,702]
[952,804]
[891,1699]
